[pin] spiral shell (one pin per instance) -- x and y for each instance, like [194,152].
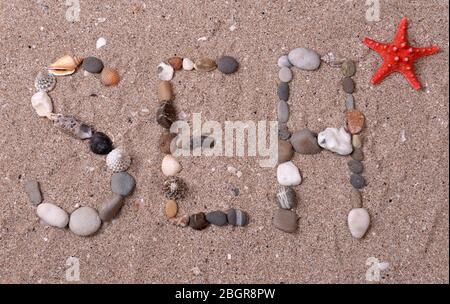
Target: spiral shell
[118,160]
[65,65]
[174,188]
[71,125]
[44,81]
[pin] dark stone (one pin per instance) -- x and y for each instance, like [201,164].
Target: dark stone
[357,181]
[237,217]
[198,221]
[348,85]
[92,65]
[100,143]
[283,131]
[166,114]
[283,91]
[217,218]
[305,142]
[358,154]
[227,65]
[355,166]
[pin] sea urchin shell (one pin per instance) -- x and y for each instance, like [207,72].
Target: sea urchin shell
[174,188]
[118,160]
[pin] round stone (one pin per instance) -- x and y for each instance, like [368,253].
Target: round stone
[110,207]
[92,65]
[357,181]
[285,220]
[348,68]
[286,197]
[170,166]
[217,218]
[283,111]
[176,62]
[283,91]
[356,141]
[355,198]
[357,154]
[355,166]
[100,143]
[122,183]
[288,174]
[283,131]
[227,65]
[305,59]
[350,102]
[285,74]
[171,209]
[285,151]
[283,61]
[358,222]
[84,221]
[52,215]
[188,64]
[304,141]
[236,217]
[198,221]
[348,85]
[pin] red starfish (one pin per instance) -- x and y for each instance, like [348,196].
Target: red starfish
[399,56]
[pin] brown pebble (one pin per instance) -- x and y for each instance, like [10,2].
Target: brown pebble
[164,142]
[355,198]
[285,151]
[356,141]
[171,209]
[358,154]
[164,91]
[181,221]
[355,121]
[205,64]
[348,85]
[176,62]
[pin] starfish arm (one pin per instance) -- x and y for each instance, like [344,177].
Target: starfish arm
[402,33]
[426,51]
[375,45]
[408,73]
[383,71]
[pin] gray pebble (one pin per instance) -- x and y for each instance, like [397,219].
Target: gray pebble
[304,141]
[285,220]
[283,91]
[350,102]
[92,65]
[283,131]
[227,65]
[217,218]
[122,183]
[110,207]
[84,221]
[348,85]
[285,74]
[348,68]
[305,59]
[283,111]
[283,61]
[358,154]
[33,191]
[357,181]
[286,197]
[355,166]
[237,217]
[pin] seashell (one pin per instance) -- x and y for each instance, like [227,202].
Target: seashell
[335,140]
[101,42]
[166,115]
[205,64]
[174,188]
[165,71]
[182,221]
[188,64]
[176,62]
[332,59]
[42,104]
[170,166]
[65,65]
[44,81]
[71,125]
[358,222]
[286,197]
[118,160]
[110,77]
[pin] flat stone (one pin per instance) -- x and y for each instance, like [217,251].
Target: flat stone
[110,207]
[358,221]
[285,151]
[84,221]
[355,121]
[357,181]
[122,183]
[283,111]
[52,215]
[355,198]
[358,154]
[285,220]
[198,221]
[348,68]
[304,58]
[285,74]
[348,85]
[350,102]
[283,131]
[288,174]
[286,197]
[171,209]
[227,65]
[217,218]
[92,65]
[236,217]
[283,91]
[164,91]
[33,191]
[356,141]
[305,142]
[355,166]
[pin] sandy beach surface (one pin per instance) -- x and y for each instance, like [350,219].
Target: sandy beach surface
[406,143]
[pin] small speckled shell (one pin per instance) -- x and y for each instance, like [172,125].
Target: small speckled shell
[71,125]
[44,81]
[118,160]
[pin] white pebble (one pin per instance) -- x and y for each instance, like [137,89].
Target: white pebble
[52,215]
[84,221]
[336,140]
[288,174]
[165,71]
[305,59]
[358,222]
[42,104]
[188,64]
[285,74]
[170,166]
[283,61]
[101,42]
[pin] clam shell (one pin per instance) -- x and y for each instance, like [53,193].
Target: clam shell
[165,71]
[110,77]
[42,104]
[65,65]
[205,64]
